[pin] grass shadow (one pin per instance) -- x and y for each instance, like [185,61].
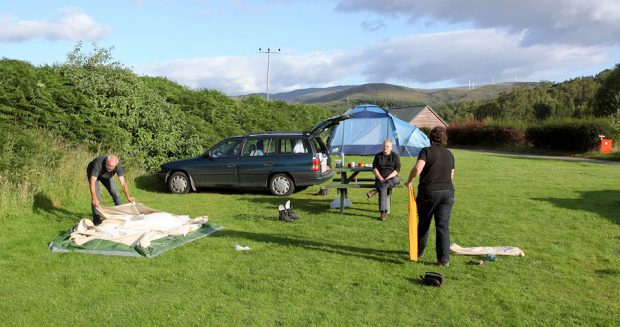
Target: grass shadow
[607,272]
[384,256]
[318,205]
[43,204]
[150,183]
[603,203]
[417,281]
[540,157]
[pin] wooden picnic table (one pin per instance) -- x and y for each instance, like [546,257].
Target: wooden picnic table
[348,179]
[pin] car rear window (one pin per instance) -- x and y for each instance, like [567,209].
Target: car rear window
[294,146]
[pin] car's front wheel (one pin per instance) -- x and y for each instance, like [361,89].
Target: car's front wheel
[178,183]
[281,185]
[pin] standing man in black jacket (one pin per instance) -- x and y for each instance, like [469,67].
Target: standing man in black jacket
[385,166]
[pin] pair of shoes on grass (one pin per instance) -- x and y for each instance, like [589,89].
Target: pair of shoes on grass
[286,212]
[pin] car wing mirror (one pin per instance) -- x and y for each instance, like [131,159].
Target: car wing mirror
[208,155]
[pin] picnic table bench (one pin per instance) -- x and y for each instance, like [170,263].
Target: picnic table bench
[351,181]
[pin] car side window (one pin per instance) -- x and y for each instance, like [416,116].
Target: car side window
[226,149]
[293,146]
[255,148]
[270,147]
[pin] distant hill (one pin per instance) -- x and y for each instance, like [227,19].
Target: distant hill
[345,94]
[302,95]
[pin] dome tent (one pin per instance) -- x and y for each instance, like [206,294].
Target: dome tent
[368,127]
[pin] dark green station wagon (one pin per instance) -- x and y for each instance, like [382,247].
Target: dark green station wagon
[278,161]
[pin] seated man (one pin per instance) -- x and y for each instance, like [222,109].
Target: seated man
[385,166]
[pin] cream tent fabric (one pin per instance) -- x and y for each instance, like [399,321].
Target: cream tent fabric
[484,250]
[135,225]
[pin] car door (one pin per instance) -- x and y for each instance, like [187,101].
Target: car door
[295,157]
[219,165]
[256,162]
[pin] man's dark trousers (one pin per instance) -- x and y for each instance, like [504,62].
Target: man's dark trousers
[438,204]
[111,187]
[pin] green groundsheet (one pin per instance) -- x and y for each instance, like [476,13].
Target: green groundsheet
[62,243]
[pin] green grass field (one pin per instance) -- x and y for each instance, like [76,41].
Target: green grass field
[332,269]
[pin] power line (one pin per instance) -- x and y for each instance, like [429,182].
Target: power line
[268,52]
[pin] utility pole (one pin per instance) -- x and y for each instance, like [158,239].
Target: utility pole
[268,52]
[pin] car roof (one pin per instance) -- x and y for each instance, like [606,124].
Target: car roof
[271,134]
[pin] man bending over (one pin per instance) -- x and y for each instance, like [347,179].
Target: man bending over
[102,169]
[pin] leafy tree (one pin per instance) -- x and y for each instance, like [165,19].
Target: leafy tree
[147,127]
[607,100]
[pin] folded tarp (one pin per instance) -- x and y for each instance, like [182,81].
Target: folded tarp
[133,230]
[484,250]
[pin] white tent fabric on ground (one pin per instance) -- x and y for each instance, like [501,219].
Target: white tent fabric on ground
[135,225]
[484,250]
[133,230]
[368,127]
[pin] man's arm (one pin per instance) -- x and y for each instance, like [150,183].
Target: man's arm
[93,192]
[126,189]
[377,175]
[392,174]
[416,171]
[375,168]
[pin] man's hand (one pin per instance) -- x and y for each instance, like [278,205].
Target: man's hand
[131,199]
[409,183]
[95,202]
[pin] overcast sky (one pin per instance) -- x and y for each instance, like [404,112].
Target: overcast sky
[416,43]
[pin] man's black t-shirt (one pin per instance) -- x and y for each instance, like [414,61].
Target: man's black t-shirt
[437,172]
[386,164]
[97,168]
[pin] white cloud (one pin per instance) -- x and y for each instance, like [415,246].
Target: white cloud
[479,55]
[450,57]
[549,21]
[243,75]
[73,25]
[373,25]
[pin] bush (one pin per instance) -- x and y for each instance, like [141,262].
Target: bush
[36,162]
[568,134]
[479,133]
[426,130]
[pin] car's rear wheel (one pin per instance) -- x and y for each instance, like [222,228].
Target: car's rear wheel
[281,185]
[178,183]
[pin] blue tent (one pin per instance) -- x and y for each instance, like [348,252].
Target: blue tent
[369,126]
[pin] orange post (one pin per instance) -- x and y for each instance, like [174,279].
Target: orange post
[413,226]
[605,146]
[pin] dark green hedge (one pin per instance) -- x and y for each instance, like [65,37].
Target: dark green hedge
[478,133]
[568,135]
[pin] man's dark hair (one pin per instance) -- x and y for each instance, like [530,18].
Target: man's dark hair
[439,136]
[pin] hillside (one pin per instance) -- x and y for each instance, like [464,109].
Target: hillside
[344,94]
[303,95]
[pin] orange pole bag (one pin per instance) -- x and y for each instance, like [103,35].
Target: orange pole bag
[413,226]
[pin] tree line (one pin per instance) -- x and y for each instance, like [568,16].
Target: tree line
[582,97]
[92,99]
